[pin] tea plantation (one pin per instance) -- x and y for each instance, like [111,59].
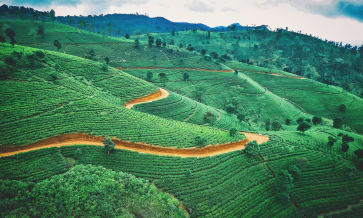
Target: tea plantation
[310,163]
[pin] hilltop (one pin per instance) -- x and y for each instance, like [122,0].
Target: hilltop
[325,61]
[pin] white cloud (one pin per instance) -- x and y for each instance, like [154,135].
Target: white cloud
[198,6]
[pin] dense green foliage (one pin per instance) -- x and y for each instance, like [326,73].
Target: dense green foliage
[207,185]
[61,94]
[46,93]
[328,62]
[99,193]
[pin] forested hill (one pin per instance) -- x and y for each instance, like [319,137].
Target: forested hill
[325,61]
[120,24]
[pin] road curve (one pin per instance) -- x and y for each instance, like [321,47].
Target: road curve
[160,94]
[84,139]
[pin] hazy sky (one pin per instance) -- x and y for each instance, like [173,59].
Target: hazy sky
[338,20]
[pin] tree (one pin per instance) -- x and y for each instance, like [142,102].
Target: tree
[158,42]
[267,125]
[359,153]
[109,145]
[151,41]
[230,108]
[300,120]
[294,171]
[287,121]
[107,60]
[78,153]
[127,36]
[208,34]
[214,55]
[164,44]
[233,132]
[91,54]
[52,14]
[342,108]
[345,147]
[331,141]
[185,76]
[203,51]
[251,148]
[149,76]
[347,139]
[109,28]
[173,32]
[11,34]
[69,20]
[200,141]
[40,31]
[104,67]
[235,72]
[2,39]
[209,117]
[190,47]
[57,44]
[137,43]
[359,165]
[283,185]
[337,123]
[303,127]
[180,45]
[317,120]
[276,126]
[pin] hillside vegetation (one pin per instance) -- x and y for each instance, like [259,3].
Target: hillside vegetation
[100,193]
[67,94]
[325,61]
[300,155]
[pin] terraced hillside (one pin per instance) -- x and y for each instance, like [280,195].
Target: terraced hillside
[121,52]
[67,94]
[310,96]
[224,184]
[247,101]
[174,118]
[304,55]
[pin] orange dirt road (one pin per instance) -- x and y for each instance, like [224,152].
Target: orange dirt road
[84,139]
[160,94]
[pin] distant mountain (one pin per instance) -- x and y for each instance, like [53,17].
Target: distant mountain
[117,24]
[133,24]
[237,26]
[120,24]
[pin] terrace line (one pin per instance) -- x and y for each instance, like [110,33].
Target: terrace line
[85,139]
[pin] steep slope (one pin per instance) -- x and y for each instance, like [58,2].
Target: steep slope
[328,62]
[121,52]
[238,94]
[48,94]
[311,96]
[224,185]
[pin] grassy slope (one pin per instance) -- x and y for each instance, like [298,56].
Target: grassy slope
[314,97]
[222,89]
[122,52]
[302,54]
[83,99]
[224,185]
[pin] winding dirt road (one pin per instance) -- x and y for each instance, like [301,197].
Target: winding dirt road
[160,94]
[85,139]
